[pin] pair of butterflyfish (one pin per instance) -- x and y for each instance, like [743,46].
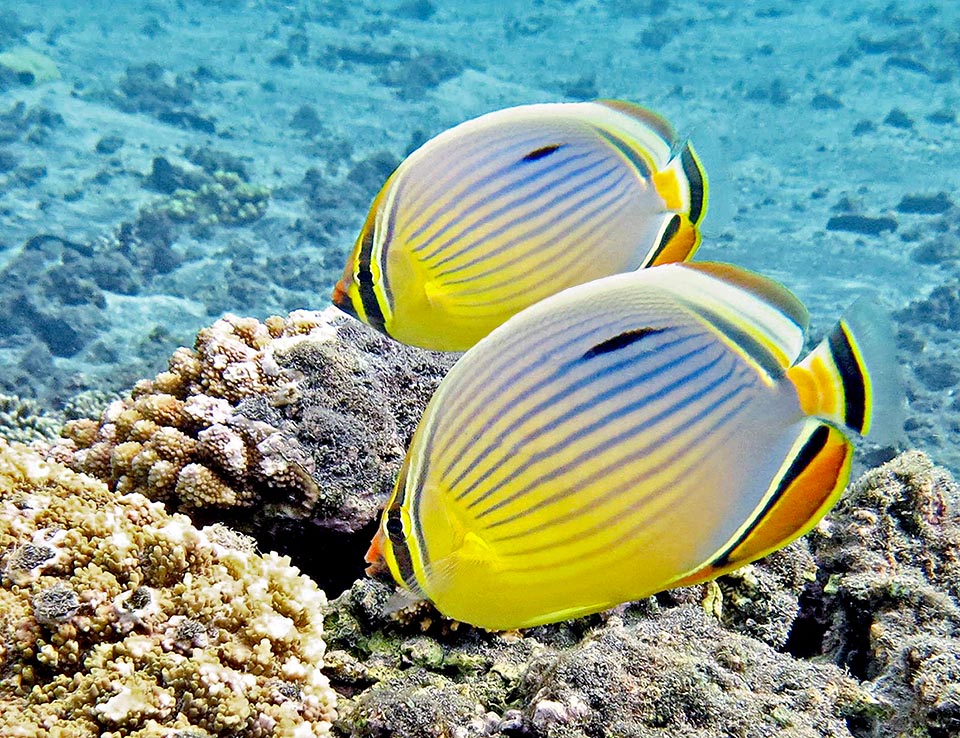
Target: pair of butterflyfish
[614,431]
[640,432]
[501,211]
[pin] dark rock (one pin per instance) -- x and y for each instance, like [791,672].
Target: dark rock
[937,250]
[907,63]
[902,42]
[898,119]
[421,10]
[109,144]
[28,176]
[414,77]
[925,204]
[147,89]
[212,161]
[8,161]
[938,375]
[864,126]
[308,120]
[861,224]
[187,120]
[12,29]
[941,308]
[584,88]
[166,178]
[943,117]
[822,101]
[370,173]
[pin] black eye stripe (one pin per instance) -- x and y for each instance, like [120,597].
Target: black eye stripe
[394,527]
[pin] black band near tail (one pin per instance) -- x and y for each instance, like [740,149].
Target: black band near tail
[695,179]
[811,449]
[851,374]
[395,531]
[669,231]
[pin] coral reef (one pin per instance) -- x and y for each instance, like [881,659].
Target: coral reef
[887,596]
[303,421]
[927,333]
[119,619]
[220,199]
[24,420]
[648,671]
[149,88]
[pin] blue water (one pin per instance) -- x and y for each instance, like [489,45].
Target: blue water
[804,112]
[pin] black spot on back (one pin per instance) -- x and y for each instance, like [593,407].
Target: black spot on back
[621,341]
[541,152]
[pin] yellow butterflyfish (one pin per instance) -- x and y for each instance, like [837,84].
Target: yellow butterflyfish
[644,431]
[503,210]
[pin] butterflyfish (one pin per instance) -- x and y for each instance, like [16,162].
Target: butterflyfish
[503,210]
[645,431]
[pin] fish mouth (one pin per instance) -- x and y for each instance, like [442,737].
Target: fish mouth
[374,557]
[342,300]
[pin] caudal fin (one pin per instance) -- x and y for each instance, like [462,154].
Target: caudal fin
[851,378]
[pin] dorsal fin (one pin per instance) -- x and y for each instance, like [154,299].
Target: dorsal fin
[759,317]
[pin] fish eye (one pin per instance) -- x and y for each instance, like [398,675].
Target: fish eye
[394,527]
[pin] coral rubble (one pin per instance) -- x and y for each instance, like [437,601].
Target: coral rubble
[119,619]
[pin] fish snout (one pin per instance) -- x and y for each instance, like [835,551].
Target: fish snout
[341,291]
[374,556]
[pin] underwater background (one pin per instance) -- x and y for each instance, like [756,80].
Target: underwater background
[164,163]
[167,163]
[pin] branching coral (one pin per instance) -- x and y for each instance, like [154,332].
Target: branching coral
[179,438]
[24,420]
[119,619]
[292,429]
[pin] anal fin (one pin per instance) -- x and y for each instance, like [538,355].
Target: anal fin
[677,241]
[807,485]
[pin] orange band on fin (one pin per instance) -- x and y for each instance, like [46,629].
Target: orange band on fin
[680,246]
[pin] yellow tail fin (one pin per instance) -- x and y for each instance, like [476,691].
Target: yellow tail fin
[851,378]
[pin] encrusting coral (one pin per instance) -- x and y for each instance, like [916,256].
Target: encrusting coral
[887,598]
[647,671]
[118,619]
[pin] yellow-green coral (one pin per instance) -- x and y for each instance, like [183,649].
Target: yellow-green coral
[227,200]
[119,619]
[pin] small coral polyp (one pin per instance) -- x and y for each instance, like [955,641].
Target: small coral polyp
[120,619]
